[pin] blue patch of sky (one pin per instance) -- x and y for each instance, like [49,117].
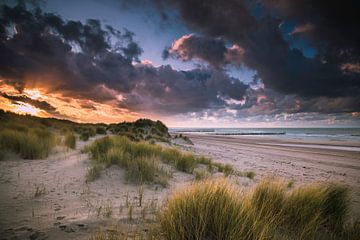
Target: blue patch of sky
[286,28]
[151,32]
[244,74]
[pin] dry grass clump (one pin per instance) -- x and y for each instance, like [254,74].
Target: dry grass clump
[206,210]
[184,162]
[93,172]
[29,143]
[138,155]
[308,209]
[250,174]
[39,190]
[141,160]
[201,174]
[214,209]
[70,140]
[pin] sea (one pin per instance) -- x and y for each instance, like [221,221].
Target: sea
[316,134]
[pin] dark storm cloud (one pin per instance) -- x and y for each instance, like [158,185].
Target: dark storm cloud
[165,90]
[212,50]
[36,103]
[280,67]
[65,56]
[95,62]
[332,26]
[191,46]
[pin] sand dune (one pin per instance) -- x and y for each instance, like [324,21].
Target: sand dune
[69,208]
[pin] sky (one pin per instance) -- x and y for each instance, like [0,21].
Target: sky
[188,63]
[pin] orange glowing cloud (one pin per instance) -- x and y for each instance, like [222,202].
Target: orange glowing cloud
[25,108]
[80,110]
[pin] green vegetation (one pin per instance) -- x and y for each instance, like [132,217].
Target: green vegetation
[207,210]
[291,183]
[33,137]
[84,136]
[201,174]
[93,172]
[70,140]
[142,130]
[185,138]
[142,160]
[214,209]
[101,130]
[250,174]
[228,170]
[31,143]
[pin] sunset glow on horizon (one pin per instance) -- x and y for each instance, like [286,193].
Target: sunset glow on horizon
[25,108]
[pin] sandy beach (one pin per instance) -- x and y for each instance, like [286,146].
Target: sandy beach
[69,208]
[303,161]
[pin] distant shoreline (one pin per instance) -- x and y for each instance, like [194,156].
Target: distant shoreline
[317,134]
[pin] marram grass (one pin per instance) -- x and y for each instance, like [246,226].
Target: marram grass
[142,160]
[206,210]
[215,209]
[32,143]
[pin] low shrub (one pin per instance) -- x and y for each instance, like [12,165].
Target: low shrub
[100,130]
[70,140]
[84,136]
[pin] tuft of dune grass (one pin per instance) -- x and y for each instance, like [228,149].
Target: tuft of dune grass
[129,154]
[93,172]
[33,143]
[206,210]
[215,209]
[70,140]
[140,160]
[201,174]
